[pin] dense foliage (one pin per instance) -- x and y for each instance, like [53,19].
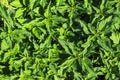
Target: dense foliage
[59,40]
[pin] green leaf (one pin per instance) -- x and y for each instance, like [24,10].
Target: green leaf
[86,63]
[84,26]
[64,45]
[19,12]
[60,2]
[115,37]
[16,4]
[43,3]
[4,45]
[16,48]
[103,44]
[7,55]
[102,5]
[47,13]
[36,32]
[32,4]
[103,23]
[26,2]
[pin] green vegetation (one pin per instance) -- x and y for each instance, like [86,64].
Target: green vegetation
[59,39]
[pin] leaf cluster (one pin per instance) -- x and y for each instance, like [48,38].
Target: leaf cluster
[59,39]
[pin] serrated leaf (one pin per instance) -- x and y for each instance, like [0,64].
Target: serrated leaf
[16,3]
[103,44]
[103,23]
[115,37]
[16,48]
[36,32]
[7,55]
[84,26]
[47,13]
[19,12]
[64,45]
[4,45]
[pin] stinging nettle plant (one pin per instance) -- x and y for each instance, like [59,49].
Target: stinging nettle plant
[59,40]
